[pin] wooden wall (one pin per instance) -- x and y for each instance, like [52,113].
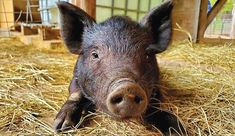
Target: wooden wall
[88,5]
[6,13]
[186,14]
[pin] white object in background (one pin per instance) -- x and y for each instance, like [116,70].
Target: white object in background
[232,33]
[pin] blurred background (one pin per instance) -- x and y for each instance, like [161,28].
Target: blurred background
[17,15]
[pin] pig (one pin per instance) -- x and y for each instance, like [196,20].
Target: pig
[116,71]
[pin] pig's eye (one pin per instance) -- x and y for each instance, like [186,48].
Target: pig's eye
[148,57]
[94,55]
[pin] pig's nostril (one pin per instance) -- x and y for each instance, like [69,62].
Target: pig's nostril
[116,100]
[138,99]
[127,99]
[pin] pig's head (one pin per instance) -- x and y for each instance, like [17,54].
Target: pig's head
[117,68]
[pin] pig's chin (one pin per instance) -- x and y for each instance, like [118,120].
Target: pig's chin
[123,116]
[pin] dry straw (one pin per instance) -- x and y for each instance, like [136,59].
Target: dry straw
[198,81]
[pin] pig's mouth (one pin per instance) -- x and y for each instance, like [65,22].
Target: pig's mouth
[126,99]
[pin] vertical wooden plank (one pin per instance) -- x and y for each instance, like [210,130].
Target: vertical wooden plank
[76,2]
[91,7]
[7,13]
[87,5]
[185,14]
[202,19]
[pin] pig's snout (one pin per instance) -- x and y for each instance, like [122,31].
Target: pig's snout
[127,99]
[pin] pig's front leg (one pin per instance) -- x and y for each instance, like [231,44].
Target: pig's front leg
[165,121]
[73,109]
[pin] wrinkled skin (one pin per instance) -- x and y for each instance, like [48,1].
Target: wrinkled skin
[116,71]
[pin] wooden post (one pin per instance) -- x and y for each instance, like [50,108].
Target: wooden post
[202,19]
[206,18]
[88,5]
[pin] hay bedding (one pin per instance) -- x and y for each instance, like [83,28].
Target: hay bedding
[199,82]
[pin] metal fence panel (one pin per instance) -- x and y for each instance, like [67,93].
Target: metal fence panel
[133,8]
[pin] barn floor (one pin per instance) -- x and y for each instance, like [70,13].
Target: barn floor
[199,82]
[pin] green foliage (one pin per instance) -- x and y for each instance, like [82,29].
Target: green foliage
[227,7]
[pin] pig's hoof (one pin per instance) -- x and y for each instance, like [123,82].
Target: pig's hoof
[68,116]
[167,123]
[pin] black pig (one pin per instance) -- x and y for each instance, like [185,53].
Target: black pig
[117,70]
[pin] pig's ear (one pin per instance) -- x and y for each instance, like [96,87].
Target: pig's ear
[73,21]
[158,20]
